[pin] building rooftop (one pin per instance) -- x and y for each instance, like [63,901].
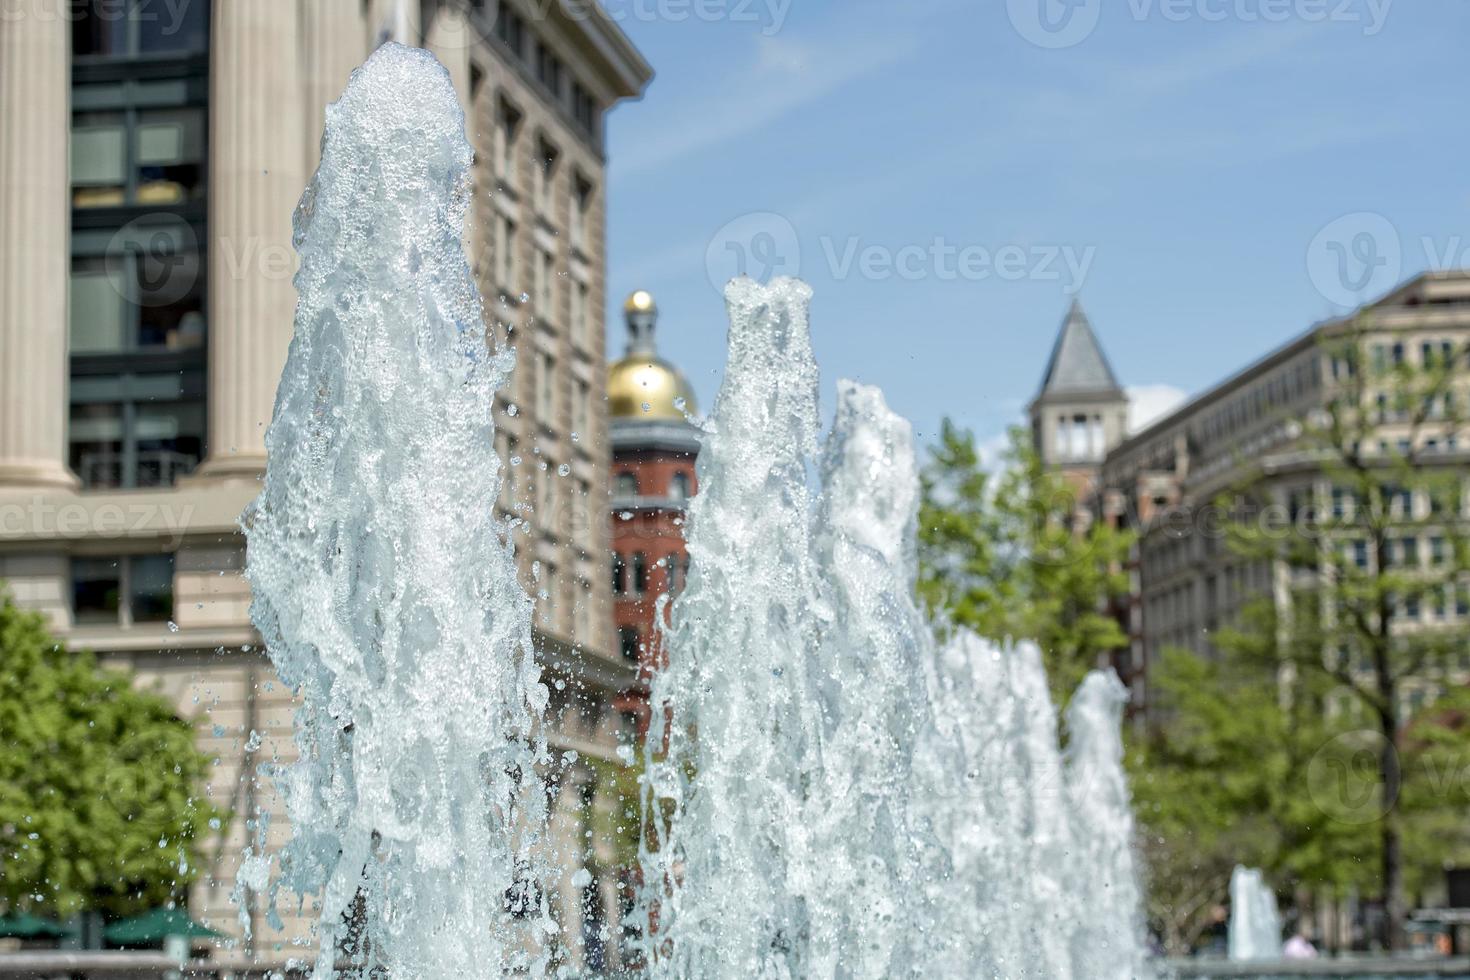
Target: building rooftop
[1077,365]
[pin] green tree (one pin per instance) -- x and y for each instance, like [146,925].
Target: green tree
[1372,556]
[100,784]
[1325,740]
[1010,555]
[1236,774]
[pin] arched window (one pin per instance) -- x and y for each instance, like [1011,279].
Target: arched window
[679,486]
[627,485]
[640,573]
[617,574]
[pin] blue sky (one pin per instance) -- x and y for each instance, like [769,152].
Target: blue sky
[1214,175]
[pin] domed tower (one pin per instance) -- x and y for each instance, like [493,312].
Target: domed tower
[653,452]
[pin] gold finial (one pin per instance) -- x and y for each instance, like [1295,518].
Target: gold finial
[640,301]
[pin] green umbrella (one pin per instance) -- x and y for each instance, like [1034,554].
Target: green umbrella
[153,927]
[23,925]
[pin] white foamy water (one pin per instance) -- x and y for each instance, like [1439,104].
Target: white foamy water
[836,797]
[384,588]
[1255,923]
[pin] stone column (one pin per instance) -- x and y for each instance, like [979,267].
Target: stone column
[448,36]
[257,175]
[35,235]
[332,45]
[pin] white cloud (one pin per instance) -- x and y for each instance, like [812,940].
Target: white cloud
[1149,403]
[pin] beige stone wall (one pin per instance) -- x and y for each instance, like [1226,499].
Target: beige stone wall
[273,67]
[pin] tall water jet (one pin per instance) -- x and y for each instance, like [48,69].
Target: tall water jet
[723,886]
[1254,932]
[871,918]
[384,587]
[826,794]
[1109,940]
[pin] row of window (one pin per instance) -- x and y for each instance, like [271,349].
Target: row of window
[626,485]
[1403,552]
[630,573]
[512,32]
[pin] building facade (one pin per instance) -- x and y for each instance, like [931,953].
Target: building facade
[654,447]
[151,156]
[1165,480]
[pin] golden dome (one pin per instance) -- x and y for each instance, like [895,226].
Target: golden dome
[639,301]
[640,380]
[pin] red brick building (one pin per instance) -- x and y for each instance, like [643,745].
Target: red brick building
[653,452]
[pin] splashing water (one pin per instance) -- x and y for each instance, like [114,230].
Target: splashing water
[384,588]
[1255,923]
[834,796]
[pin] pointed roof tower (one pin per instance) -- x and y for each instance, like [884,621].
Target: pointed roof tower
[1078,365]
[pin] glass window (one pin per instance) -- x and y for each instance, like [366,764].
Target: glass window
[618,577]
[172,27]
[98,311]
[122,590]
[627,484]
[151,157]
[168,154]
[96,590]
[99,159]
[135,430]
[149,296]
[628,641]
[679,486]
[640,573]
[151,588]
[123,28]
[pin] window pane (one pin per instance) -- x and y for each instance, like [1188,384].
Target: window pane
[170,441]
[100,29]
[165,27]
[169,150]
[96,444]
[98,307]
[98,160]
[170,296]
[151,590]
[95,588]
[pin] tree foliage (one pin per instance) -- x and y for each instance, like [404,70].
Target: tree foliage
[100,784]
[1004,555]
[1327,741]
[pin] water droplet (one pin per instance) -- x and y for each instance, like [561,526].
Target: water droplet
[647,407]
[563,470]
[510,410]
[173,627]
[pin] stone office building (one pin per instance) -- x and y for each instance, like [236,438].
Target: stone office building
[1162,481]
[151,156]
